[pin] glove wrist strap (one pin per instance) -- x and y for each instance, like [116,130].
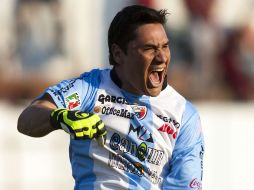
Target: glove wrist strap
[55,118]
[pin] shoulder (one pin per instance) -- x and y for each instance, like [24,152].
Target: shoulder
[84,81]
[190,112]
[76,83]
[174,99]
[79,89]
[170,101]
[93,76]
[191,131]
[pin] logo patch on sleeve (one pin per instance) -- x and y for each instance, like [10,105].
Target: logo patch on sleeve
[72,101]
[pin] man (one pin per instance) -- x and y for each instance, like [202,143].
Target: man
[129,129]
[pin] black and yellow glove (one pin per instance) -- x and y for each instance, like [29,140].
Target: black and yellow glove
[79,125]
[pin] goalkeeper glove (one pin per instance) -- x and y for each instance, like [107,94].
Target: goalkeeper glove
[79,125]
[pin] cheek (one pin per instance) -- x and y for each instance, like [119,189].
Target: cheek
[146,60]
[169,56]
[138,65]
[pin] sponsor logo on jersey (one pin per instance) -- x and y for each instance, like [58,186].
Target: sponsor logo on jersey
[121,146]
[66,88]
[142,151]
[118,161]
[201,156]
[140,111]
[142,133]
[166,127]
[114,99]
[137,168]
[72,101]
[140,167]
[196,184]
[57,95]
[97,109]
[169,120]
[106,110]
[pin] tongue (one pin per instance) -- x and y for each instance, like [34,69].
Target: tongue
[154,77]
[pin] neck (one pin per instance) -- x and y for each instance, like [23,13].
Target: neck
[115,78]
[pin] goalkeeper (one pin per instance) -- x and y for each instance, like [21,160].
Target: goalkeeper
[128,128]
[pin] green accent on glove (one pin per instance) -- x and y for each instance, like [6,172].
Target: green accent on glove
[79,125]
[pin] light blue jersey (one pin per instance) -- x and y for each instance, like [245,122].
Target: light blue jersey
[152,142]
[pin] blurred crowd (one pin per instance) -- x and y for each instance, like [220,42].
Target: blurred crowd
[210,61]
[217,61]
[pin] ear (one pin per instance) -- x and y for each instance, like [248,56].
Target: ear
[117,53]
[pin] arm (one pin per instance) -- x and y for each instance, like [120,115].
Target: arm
[43,117]
[54,110]
[34,121]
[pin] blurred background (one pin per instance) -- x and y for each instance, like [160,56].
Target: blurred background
[45,41]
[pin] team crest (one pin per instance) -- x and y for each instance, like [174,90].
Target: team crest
[140,111]
[72,101]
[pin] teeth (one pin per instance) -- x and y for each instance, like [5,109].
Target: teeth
[158,70]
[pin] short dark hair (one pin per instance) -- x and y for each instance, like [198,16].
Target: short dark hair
[123,26]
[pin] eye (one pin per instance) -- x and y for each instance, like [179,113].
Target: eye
[165,46]
[149,49]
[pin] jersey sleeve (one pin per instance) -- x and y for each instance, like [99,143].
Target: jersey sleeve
[186,165]
[76,93]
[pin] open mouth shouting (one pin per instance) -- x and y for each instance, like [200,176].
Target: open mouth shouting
[156,76]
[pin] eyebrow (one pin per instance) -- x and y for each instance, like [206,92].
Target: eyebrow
[155,46]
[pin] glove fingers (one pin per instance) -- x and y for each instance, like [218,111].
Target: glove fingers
[78,124]
[89,129]
[101,129]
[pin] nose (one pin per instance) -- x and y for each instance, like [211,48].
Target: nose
[161,56]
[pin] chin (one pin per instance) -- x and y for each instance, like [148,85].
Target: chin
[154,92]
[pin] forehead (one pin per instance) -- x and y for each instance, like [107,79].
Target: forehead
[151,33]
